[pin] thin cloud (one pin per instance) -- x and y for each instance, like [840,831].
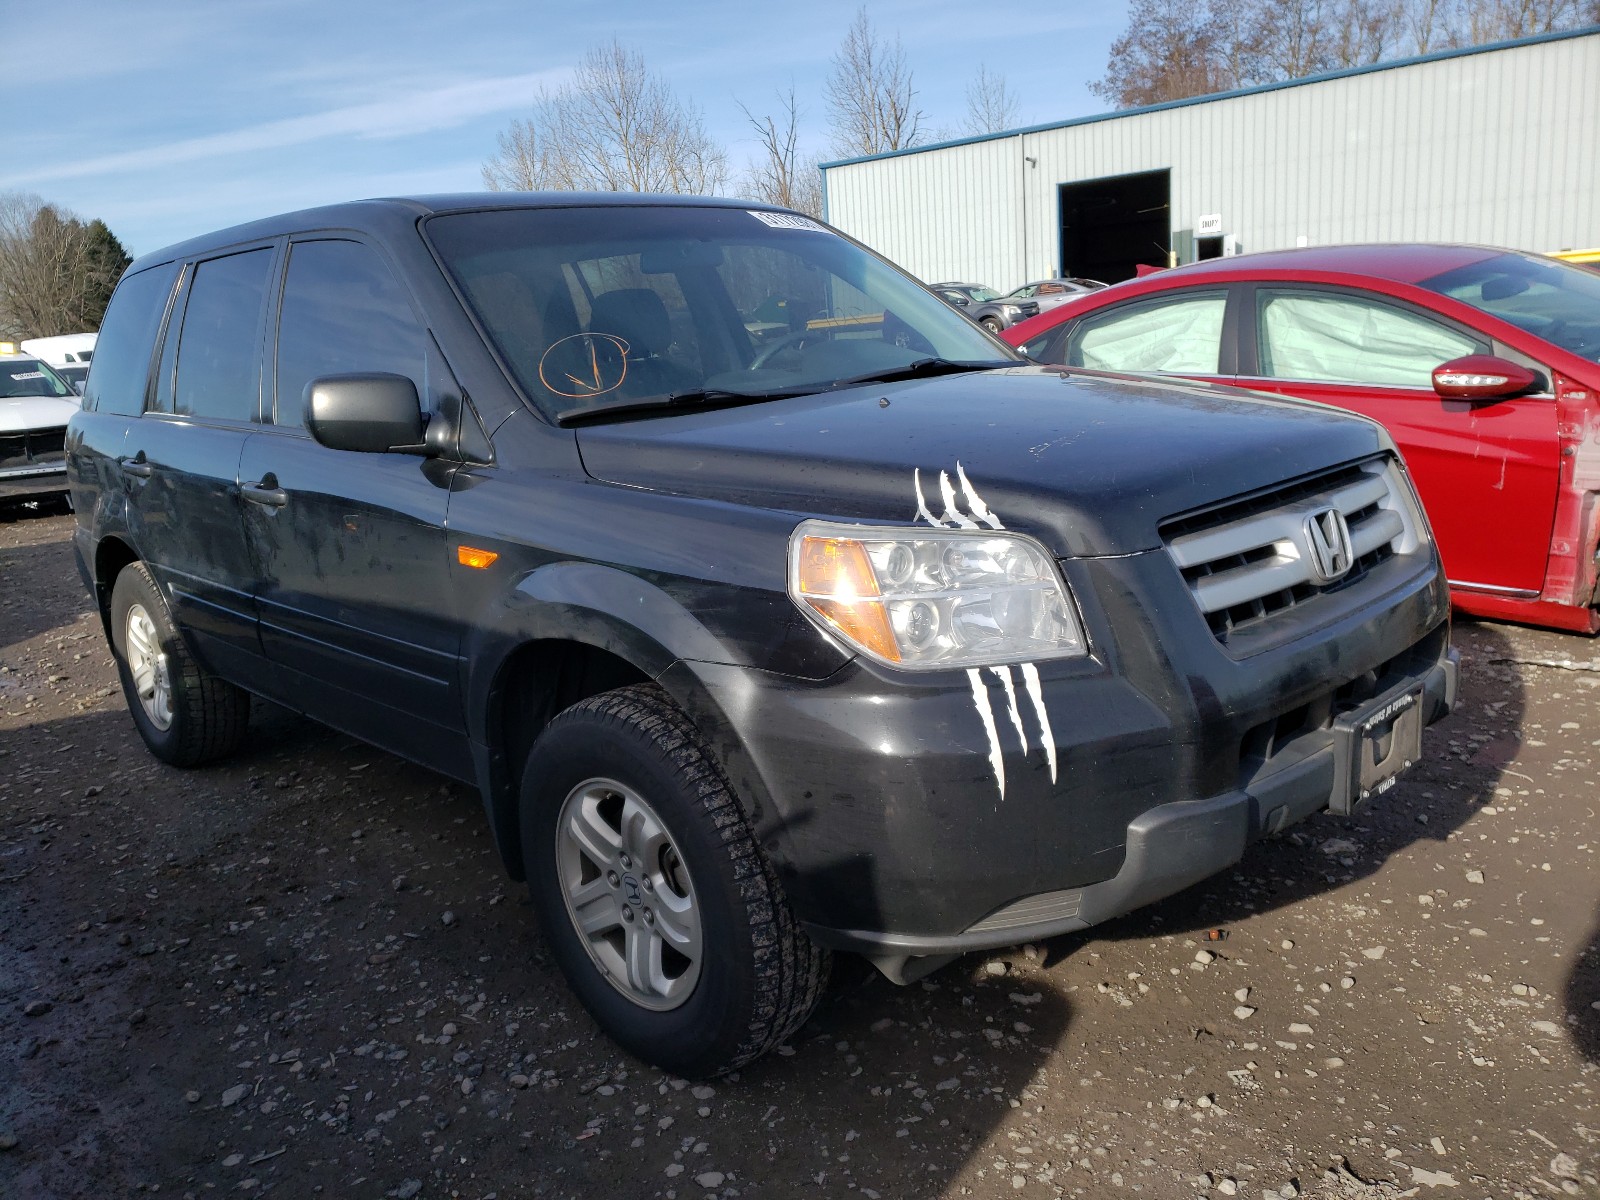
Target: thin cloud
[403,116]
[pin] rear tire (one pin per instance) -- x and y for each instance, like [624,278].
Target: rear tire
[658,905]
[185,714]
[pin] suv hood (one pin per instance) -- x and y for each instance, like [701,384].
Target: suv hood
[1088,462]
[24,413]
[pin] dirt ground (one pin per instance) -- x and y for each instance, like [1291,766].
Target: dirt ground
[303,973]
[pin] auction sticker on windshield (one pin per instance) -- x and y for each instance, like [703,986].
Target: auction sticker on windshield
[787,221]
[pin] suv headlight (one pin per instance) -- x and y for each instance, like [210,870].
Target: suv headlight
[930,599]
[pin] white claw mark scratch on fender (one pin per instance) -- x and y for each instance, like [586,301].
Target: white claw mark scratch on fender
[953,517]
[1030,679]
[1003,674]
[975,501]
[952,514]
[980,698]
[922,502]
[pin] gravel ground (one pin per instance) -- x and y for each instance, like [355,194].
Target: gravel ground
[303,972]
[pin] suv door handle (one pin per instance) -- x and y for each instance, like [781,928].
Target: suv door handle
[137,466]
[265,493]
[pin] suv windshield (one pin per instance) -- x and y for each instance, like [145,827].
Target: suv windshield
[21,377]
[622,307]
[1549,299]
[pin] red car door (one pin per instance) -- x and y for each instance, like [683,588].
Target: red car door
[1487,473]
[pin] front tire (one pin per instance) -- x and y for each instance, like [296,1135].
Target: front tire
[185,714]
[992,324]
[658,905]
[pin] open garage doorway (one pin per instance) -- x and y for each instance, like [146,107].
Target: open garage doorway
[1110,226]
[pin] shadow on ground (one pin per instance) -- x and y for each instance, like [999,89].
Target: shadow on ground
[305,967]
[1464,757]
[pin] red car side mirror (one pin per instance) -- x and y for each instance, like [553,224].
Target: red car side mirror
[1484,377]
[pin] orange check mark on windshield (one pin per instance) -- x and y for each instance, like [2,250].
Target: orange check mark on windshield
[594,368]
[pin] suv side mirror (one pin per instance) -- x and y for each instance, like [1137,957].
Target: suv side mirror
[375,413]
[1485,377]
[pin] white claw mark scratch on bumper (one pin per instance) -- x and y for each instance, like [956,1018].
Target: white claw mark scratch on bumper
[1030,679]
[980,700]
[1003,674]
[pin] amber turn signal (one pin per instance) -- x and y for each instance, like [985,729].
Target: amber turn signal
[836,579]
[471,556]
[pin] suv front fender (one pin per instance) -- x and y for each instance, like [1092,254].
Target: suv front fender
[636,629]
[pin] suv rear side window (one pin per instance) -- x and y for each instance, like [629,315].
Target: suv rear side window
[343,313]
[121,367]
[1181,334]
[1325,336]
[219,361]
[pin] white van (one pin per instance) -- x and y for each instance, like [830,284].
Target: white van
[68,353]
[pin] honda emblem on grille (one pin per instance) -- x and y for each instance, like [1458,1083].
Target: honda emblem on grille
[1328,540]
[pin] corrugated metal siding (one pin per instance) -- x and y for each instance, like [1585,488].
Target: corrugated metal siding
[1495,147]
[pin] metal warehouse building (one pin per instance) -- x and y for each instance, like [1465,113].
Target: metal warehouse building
[1497,144]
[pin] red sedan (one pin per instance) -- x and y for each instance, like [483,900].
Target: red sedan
[1483,364]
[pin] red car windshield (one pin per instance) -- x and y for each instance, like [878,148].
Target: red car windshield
[1551,300]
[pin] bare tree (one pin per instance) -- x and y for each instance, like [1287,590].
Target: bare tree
[871,103]
[615,128]
[782,175]
[991,105]
[56,271]
[1171,49]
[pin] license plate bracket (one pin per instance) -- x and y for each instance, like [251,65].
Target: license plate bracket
[1372,746]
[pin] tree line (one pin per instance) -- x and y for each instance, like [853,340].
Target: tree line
[1174,49]
[56,269]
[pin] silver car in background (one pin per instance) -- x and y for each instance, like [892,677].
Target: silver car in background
[1029,300]
[35,406]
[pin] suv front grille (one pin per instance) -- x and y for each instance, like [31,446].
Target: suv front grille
[1251,559]
[34,448]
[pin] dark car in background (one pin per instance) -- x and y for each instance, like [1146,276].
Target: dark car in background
[1484,364]
[866,636]
[1029,300]
[964,295]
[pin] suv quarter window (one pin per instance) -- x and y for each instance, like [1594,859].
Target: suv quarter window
[1346,337]
[343,312]
[218,372]
[127,340]
[1178,332]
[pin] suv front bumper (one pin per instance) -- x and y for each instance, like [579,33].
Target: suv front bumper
[875,796]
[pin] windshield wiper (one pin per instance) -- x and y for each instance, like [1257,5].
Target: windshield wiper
[922,368]
[704,398]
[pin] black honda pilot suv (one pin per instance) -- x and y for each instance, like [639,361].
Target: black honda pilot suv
[774,608]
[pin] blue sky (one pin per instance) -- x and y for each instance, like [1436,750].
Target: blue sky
[167,119]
